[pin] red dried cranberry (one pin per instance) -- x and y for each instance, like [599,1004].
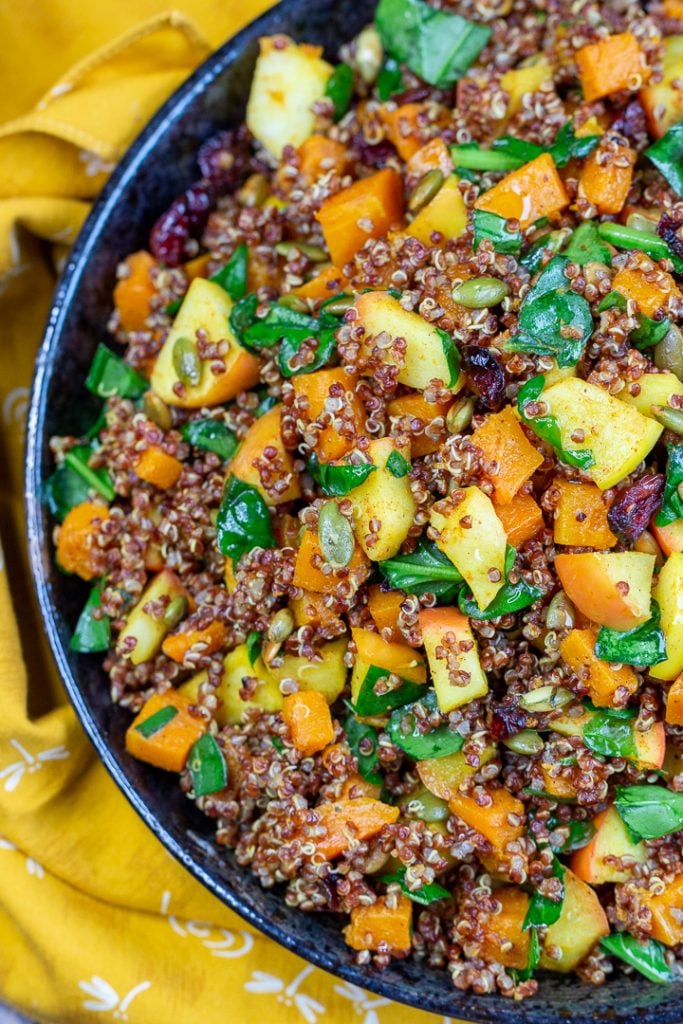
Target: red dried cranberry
[671,230]
[485,375]
[507,720]
[635,506]
[417,94]
[170,234]
[223,159]
[199,199]
[373,155]
[632,123]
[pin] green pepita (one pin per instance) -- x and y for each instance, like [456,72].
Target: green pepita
[560,613]
[339,305]
[281,626]
[546,698]
[369,54]
[424,805]
[336,538]
[315,253]
[668,353]
[672,419]
[425,190]
[459,415]
[640,222]
[527,741]
[480,292]
[293,302]
[157,411]
[254,192]
[176,610]
[186,361]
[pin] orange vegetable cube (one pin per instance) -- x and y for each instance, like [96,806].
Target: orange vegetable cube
[309,720]
[522,518]
[272,475]
[380,926]
[355,786]
[385,606]
[168,745]
[666,909]
[398,658]
[673,9]
[402,127]
[176,645]
[75,538]
[312,391]
[578,651]
[527,194]
[649,296]
[324,285]
[133,293]
[310,609]
[350,821]
[611,64]
[198,267]
[606,178]
[415,406]
[581,517]
[669,537]
[367,209]
[674,702]
[491,820]
[511,457]
[434,155]
[504,941]
[308,569]
[319,155]
[159,468]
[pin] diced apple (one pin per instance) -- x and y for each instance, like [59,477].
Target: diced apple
[146,630]
[663,101]
[264,433]
[572,722]
[288,79]
[446,213]
[669,594]
[447,628]
[616,434]
[674,708]
[611,588]
[581,924]
[650,747]
[384,501]
[520,81]
[472,536]
[326,676]
[593,863]
[669,537]
[602,679]
[655,389]
[206,307]
[443,776]
[430,354]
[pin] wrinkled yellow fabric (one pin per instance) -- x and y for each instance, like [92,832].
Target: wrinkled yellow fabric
[97,921]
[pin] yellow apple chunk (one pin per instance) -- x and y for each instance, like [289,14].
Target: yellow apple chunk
[610,588]
[384,502]
[446,213]
[669,594]
[581,924]
[663,101]
[654,389]
[452,692]
[147,630]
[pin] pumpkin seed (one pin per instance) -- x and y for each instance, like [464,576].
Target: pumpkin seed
[672,419]
[560,613]
[369,54]
[281,626]
[254,192]
[525,742]
[315,253]
[425,190]
[157,411]
[459,415]
[424,805]
[339,305]
[186,361]
[640,222]
[293,302]
[177,610]
[546,698]
[480,292]
[668,353]
[336,538]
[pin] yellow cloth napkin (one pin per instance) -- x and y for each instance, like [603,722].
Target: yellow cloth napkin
[97,921]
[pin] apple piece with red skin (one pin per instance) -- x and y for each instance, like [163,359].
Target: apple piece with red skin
[593,863]
[669,537]
[611,588]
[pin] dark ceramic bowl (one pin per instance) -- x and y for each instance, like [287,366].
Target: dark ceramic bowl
[159,165]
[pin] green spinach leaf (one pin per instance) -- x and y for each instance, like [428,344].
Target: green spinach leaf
[547,427]
[644,645]
[421,746]
[232,278]
[667,156]
[646,957]
[672,501]
[212,436]
[369,702]
[363,743]
[91,634]
[426,571]
[495,229]
[649,811]
[109,375]
[425,895]
[243,520]
[339,88]
[337,480]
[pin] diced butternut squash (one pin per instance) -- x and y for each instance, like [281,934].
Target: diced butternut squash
[366,209]
[453,658]
[309,720]
[611,589]
[510,458]
[606,178]
[505,942]
[315,390]
[310,566]
[168,743]
[433,156]
[492,819]
[142,636]
[522,518]
[443,776]
[519,82]
[319,155]
[445,214]
[397,658]
[581,517]
[430,353]
[580,926]
[402,126]
[263,462]
[649,296]
[667,912]
[472,536]
[527,194]
[157,467]
[663,101]
[595,863]
[206,307]
[674,702]
[669,537]
[134,292]
[212,637]
[385,606]
[611,64]
[383,505]
[617,435]
[324,285]
[76,537]
[669,594]
[288,79]
[350,821]
[197,267]
[416,408]
[578,651]
[310,609]
[381,926]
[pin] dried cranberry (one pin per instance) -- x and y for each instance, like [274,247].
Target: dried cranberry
[373,155]
[417,94]
[633,509]
[170,234]
[200,200]
[485,376]
[632,123]
[507,720]
[671,230]
[224,158]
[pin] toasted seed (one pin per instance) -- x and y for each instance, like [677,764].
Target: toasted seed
[270,651]
[560,613]
[339,305]
[293,302]
[423,804]
[254,192]
[480,292]
[425,190]
[157,411]
[315,253]
[186,361]
[336,538]
[177,610]
[459,415]
[281,626]
[546,698]
[672,419]
[668,353]
[525,742]
[639,222]
[369,54]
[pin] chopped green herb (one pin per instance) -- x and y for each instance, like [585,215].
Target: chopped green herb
[398,465]
[426,571]
[243,520]
[207,766]
[99,480]
[667,156]
[212,436]
[543,911]
[337,481]
[648,958]
[91,634]
[389,80]
[340,89]
[233,276]
[109,375]
[421,746]
[672,500]
[363,743]
[425,895]
[156,722]
[586,246]
[547,426]
[649,811]
[370,703]
[254,645]
[644,645]
[495,229]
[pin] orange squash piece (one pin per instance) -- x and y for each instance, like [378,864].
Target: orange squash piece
[319,155]
[578,651]
[522,518]
[309,720]
[402,128]
[315,389]
[198,267]
[673,9]
[133,293]
[311,609]
[434,155]
[384,606]
[349,821]
[581,517]
[324,285]
[417,408]
[504,941]
[159,468]
[666,909]
[527,194]
[505,444]
[649,296]
[381,926]
[252,466]
[611,64]
[356,786]
[605,179]
[308,567]
[169,747]
[398,658]
[674,702]
[491,821]
[176,645]
[367,209]
[75,537]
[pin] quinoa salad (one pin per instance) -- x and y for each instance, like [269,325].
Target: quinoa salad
[382,516]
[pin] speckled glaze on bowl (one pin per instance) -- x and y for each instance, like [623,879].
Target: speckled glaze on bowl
[159,164]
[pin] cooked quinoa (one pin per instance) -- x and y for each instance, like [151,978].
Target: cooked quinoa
[384,513]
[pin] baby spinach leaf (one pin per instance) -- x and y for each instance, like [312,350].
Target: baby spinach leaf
[533,258]
[243,520]
[233,276]
[494,228]
[337,480]
[426,571]
[623,237]
[547,427]
[649,811]
[326,348]
[91,634]
[543,911]
[643,645]
[667,156]
[243,315]
[580,834]
[533,959]
[646,957]
[63,490]
[610,733]
[78,458]
[586,246]
[425,895]
[648,332]
[370,703]
[452,357]
[568,147]
[421,746]
[339,88]
[109,375]
[397,465]
[549,309]
[512,597]
[212,436]
[207,767]
[672,502]
[363,743]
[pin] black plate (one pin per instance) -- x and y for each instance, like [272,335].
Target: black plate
[159,165]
